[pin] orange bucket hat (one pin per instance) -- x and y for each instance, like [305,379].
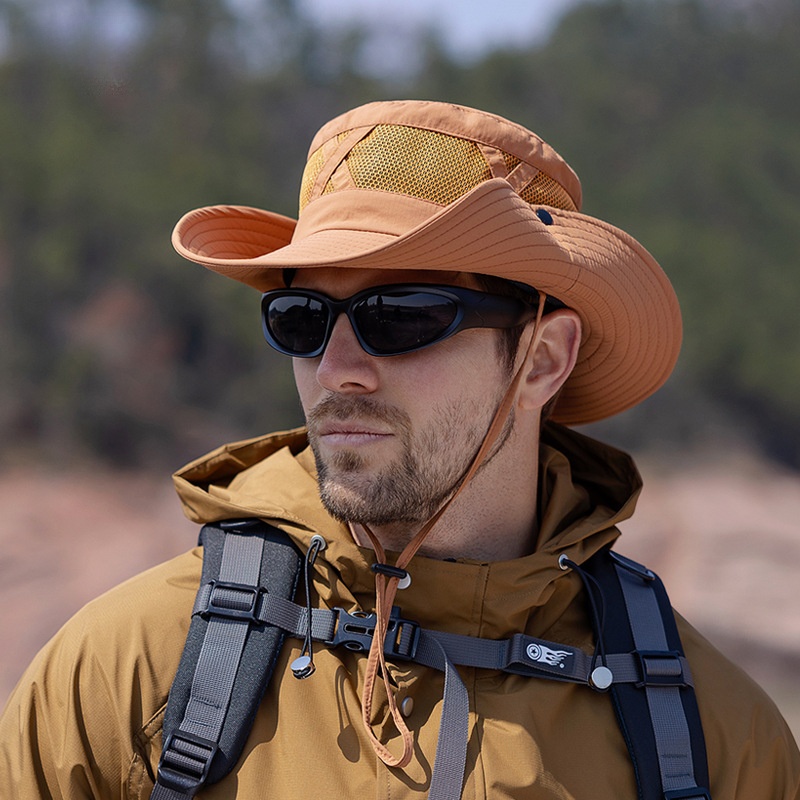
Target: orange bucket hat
[427,185]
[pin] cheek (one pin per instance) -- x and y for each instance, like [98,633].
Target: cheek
[465,360]
[433,379]
[464,367]
[305,371]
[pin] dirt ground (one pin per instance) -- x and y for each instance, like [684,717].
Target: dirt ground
[723,536]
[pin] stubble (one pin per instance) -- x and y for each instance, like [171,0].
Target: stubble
[412,487]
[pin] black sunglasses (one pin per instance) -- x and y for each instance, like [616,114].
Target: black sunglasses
[387,320]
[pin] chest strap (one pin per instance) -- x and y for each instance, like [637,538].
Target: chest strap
[407,641]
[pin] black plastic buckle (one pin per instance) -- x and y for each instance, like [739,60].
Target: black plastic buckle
[402,637]
[660,668]
[242,606]
[355,631]
[185,762]
[695,793]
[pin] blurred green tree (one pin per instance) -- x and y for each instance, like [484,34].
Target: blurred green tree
[117,116]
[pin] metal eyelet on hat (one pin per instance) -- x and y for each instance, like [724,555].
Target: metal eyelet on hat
[544,216]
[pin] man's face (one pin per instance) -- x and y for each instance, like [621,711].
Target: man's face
[392,436]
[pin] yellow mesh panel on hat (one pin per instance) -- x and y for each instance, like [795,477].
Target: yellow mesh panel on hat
[425,164]
[412,161]
[313,167]
[329,187]
[511,161]
[542,190]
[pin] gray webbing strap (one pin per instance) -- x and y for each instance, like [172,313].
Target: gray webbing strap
[520,654]
[236,600]
[449,765]
[526,655]
[671,730]
[161,792]
[193,745]
[223,645]
[282,613]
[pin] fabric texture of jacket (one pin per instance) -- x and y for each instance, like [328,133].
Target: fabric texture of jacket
[85,720]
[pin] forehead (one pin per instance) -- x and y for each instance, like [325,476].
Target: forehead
[343,282]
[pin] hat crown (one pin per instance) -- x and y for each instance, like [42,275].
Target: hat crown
[434,152]
[432,186]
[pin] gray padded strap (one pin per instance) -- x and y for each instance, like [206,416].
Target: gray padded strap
[192,747]
[223,645]
[671,730]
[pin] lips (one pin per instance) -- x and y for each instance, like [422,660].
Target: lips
[349,433]
[347,421]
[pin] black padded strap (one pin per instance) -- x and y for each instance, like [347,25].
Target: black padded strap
[658,717]
[206,722]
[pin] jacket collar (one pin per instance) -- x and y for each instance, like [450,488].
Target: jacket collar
[586,488]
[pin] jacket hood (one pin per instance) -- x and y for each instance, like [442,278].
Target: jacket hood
[586,488]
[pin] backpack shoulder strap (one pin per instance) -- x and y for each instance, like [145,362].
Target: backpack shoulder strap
[206,722]
[658,716]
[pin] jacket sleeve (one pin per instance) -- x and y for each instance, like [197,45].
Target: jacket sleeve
[752,754]
[73,726]
[58,737]
[764,765]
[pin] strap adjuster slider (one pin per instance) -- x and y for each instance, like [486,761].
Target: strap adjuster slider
[660,668]
[185,761]
[232,601]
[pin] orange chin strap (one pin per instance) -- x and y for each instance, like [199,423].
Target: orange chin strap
[386,586]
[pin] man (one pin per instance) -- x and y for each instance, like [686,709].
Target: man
[449,311]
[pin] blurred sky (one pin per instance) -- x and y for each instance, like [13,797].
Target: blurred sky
[467,27]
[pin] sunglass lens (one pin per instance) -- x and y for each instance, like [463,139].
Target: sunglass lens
[391,322]
[297,323]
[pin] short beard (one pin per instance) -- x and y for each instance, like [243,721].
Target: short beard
[411,489]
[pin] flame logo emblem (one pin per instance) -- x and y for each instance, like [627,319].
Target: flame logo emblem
[544,655]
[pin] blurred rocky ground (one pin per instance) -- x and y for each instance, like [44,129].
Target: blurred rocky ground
[724,536]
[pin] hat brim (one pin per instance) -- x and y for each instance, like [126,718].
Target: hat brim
[630,314]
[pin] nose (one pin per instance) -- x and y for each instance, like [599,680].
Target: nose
[343,366]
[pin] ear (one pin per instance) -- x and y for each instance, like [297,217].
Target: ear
[550,361]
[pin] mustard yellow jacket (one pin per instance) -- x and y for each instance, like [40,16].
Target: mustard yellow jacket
[85,720]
